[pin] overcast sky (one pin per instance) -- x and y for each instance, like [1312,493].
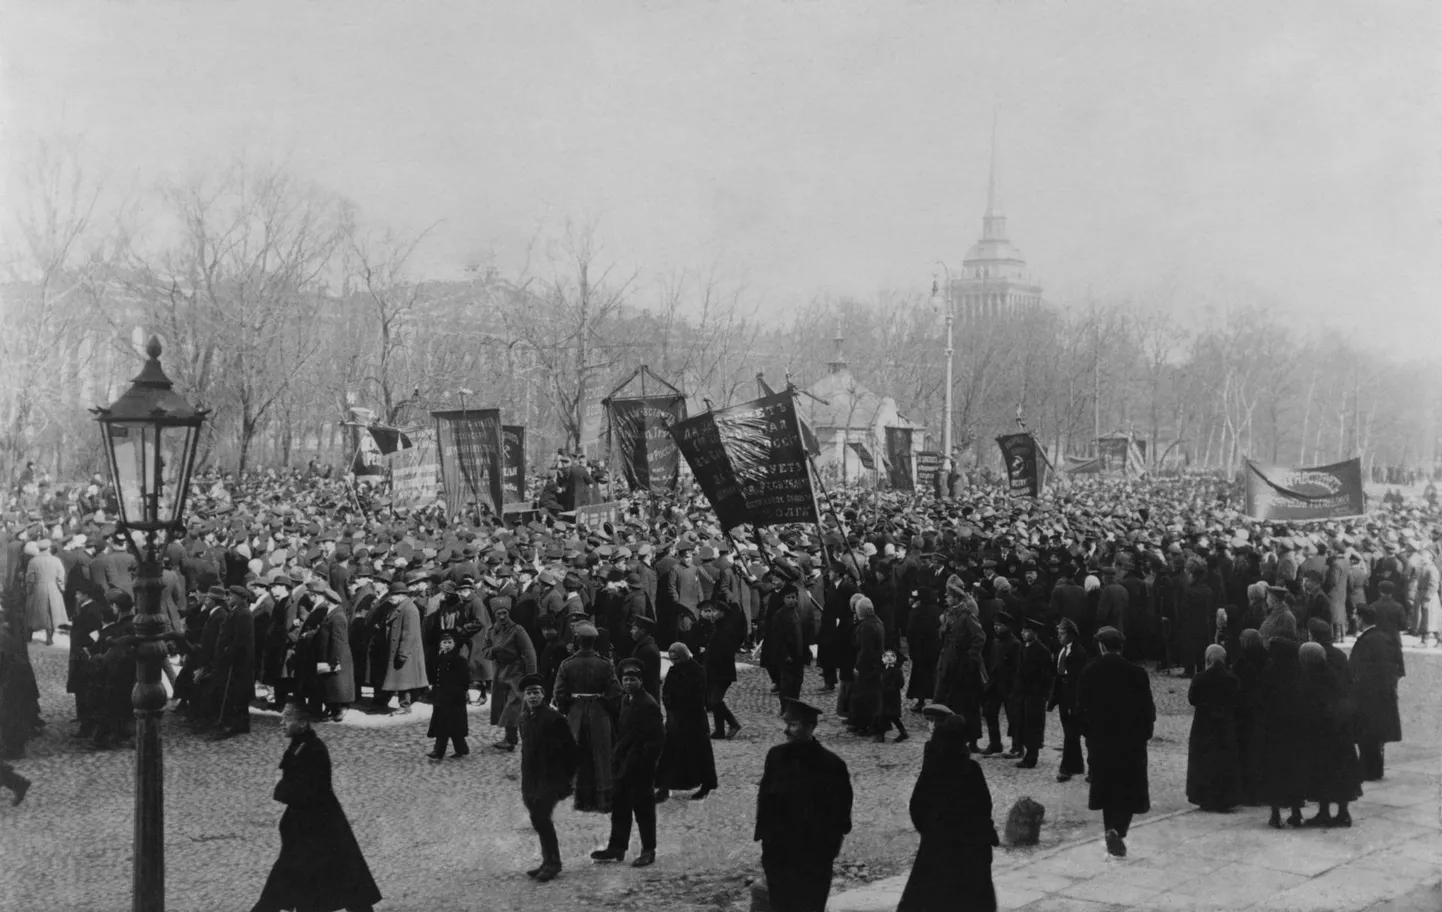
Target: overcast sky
[1177,151]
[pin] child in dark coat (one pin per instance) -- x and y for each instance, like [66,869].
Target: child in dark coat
[448,699]
[893,682]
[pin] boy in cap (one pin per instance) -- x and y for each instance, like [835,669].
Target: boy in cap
[803,813]
[640,736]
[548,767]
[452,678]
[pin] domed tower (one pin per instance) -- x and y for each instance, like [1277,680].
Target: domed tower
[994,283]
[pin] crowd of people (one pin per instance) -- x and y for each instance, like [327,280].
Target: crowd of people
[301,588]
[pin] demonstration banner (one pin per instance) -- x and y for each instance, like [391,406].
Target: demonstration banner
[928,468]
[640,433]
[1320,492]
[1025,464]
[750,461]
[368,464]
[415,479]
[513,464]
[898,458]
[808,437]
[470,447]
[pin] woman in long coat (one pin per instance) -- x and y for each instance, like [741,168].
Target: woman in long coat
[1281,741]
[1330,760]
[869,642]
[687,761]
[507,645]
[1213,771]
[1195,618]
[1249,668]
[959,667]
[923,641]
[951,810]
[320,868]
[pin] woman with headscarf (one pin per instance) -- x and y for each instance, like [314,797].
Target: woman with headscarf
[1281,732]
[1330,769]
[951,810]
[868,640]
[1249,666]
[1213,778]
[320,868]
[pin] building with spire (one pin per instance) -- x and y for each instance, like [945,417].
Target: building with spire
[850,421]
[994,283]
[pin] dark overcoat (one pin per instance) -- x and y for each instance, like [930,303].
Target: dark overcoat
[332,646]
[1213,761]
[1116,715]
[720,656]
[640,740]
[687,760]
[1281,734]
[320,868]
[448,697]
[923,642]
[235,655]
[951,810]
[868,640]
[1375,671]
[1331,771]
[548,755]
[803,813]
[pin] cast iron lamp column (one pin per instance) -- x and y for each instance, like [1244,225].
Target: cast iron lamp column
[150,435]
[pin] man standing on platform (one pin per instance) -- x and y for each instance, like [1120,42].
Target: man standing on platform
[803,812]
[1116,715]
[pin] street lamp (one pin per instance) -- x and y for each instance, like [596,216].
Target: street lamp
[150,436]
[937,300]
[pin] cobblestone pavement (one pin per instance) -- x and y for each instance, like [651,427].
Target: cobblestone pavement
[453,835]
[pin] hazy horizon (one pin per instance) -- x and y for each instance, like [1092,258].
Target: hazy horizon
[1168,153]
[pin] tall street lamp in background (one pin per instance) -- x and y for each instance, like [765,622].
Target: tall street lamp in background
[150,436]
[937,300]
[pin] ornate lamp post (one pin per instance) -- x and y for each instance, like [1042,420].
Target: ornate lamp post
[938,301]
[150,436]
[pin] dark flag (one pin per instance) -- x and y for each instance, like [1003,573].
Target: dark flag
[389,439]
[471,451]
[640,430]
[813,446]
[1319,492]
[513,463]
[368,462]
[751,463]
[898,457]
[1025,464]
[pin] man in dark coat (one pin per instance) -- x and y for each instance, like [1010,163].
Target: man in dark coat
[1069,602]
[803,813]
[1070,661]
[640,739]
[85,627]
[923,641]
[233,669]
[548,769]
[586,690]
[719,662]
[687,761]
[836,609]
[645,651]
[330,649]
[1116,712]
[1391,617]
[1003,657]
[320,867]
[783,650]
[1376,665]
[1029,696]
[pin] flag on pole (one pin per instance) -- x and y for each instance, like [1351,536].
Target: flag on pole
[813,446]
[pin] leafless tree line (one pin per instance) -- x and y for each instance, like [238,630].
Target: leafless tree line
[281,308]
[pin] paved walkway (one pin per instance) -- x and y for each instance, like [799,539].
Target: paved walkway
[1390,860]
